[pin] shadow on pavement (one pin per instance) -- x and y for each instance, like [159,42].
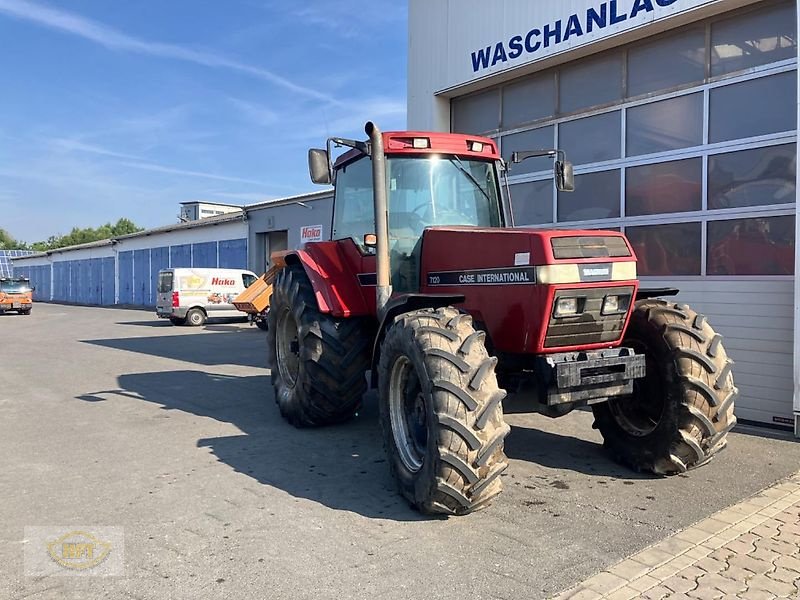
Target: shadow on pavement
[219,349]
[341,467]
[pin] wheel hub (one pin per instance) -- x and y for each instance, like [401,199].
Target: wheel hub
[640,413]
[408,414]
[287,347]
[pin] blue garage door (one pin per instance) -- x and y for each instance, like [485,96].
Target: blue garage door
[180,256]
[125,277]
[96,277]
[141,277]
[60,279]
[233,254]
[159,259]
[108,287]
[204,255]
[74,283]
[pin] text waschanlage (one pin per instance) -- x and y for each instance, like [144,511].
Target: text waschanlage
[562,30]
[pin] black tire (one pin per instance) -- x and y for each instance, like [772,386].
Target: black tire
[318,362]
[438,383]
[25,312]
[680,414]
[262,324]
[177,320]
[195,317]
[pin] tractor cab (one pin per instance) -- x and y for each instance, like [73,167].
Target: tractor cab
[431,180]
[424,189]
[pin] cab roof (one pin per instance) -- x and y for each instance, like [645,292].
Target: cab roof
[403,142]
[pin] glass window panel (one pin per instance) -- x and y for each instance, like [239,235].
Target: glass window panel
[668,62]
[591,139]
[532,202]
[755,107]
[672,249]
[754,38]
[665,125]
[752,177]
[596,196]
[528,100]
[755,246]
[536,139]
[675,186]
[476,114]
[586,83]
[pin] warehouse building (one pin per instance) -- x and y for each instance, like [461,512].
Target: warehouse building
[124,270]
[680,117]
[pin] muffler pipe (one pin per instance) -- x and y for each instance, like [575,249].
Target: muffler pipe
[383,290]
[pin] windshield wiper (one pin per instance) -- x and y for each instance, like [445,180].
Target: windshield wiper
[460,166]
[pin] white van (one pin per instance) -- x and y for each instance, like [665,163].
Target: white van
[194,295]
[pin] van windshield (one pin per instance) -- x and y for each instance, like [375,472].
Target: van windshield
[165,281]
[15,287]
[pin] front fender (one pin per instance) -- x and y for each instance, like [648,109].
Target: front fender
[335,284]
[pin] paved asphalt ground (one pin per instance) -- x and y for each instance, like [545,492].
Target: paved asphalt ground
[112,418]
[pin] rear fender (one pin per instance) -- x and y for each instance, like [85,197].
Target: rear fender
[399,305]
[335,285]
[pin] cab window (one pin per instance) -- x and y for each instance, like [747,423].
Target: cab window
[248,279]
[354,214]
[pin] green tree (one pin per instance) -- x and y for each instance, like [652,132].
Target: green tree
[86,235]
[9,243]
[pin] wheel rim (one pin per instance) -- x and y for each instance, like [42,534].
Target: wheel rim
[408,414]
[287,347]
[640,413]
[196,318]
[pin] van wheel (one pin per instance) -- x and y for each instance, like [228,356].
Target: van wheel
[177,320]
[195,317]
[25,312]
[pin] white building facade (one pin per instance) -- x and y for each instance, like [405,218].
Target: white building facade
[680,117]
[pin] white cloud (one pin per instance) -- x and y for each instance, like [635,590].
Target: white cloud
[145,166]
[71,145]
[114,39]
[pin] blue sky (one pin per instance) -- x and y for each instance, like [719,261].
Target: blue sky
[125,109]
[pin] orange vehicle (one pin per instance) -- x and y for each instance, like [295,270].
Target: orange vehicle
[16,294]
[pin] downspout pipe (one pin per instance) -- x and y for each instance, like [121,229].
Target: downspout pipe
[383,290]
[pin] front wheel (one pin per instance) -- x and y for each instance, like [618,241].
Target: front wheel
[440,412]
[680,413]
[27,311]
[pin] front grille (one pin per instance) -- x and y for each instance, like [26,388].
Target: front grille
[589,327]
[583,246]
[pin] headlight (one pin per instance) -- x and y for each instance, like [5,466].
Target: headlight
[566,307]
[614,304]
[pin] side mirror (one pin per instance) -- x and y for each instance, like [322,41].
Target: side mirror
[370,241]
[319,167]
[565,176]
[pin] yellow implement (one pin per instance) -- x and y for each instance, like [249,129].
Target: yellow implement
[255,299]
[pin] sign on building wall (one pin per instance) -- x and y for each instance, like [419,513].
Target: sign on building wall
[520,32]
[310,233]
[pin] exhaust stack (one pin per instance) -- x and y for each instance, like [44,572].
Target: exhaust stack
[383,289]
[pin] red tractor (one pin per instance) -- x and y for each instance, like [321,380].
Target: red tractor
[426,285]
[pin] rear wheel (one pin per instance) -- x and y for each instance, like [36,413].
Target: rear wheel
[262,324]
[195,317]
[27,311]
[681,412]
[318,362]
[440,411]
